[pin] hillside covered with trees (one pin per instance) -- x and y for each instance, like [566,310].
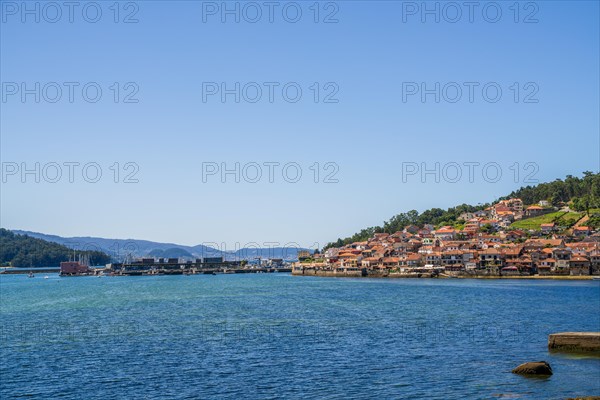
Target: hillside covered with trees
[24,251]
[581,194]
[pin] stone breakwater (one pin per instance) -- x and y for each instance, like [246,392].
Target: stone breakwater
[575,342]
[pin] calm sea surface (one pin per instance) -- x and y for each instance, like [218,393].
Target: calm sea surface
[278,336]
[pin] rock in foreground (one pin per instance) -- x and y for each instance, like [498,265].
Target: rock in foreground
[533,368]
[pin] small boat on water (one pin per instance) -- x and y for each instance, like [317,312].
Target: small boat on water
[31,275]
[596,278]
[46,277]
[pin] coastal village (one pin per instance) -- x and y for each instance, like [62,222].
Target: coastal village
[488,245]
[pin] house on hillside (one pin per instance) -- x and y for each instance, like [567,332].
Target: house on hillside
[548,228]
[451,259]
[562,255]
[433,258]
[491,260]
[582,231]
[412,229]
[445,233]
[370,262]
[579,265]
[411,260]
[595,262]
[533,211]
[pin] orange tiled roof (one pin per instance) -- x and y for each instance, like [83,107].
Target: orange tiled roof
[544,242]
[579,258]
[371,259]
[490,251]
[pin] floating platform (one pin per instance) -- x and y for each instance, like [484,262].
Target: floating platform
[580,342]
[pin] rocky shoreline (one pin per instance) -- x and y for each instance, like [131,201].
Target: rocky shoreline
[366,273]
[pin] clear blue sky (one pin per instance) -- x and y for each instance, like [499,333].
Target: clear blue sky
[369,133]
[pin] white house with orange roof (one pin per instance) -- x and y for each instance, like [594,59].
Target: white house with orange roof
[445,233]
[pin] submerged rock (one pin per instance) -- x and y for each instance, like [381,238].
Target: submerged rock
[533,368]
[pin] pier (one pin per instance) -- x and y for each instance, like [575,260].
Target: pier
[152,267]
[174,267]
[49,270]
[207,271]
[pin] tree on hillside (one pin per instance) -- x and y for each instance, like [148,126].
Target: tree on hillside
[24,251]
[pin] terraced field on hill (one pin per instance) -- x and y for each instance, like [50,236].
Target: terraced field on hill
[560,218]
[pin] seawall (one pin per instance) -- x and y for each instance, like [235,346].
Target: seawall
[366,273]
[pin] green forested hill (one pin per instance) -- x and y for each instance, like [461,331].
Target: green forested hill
[25,251]
[584,193]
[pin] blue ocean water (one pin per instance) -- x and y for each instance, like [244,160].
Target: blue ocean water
[278,336]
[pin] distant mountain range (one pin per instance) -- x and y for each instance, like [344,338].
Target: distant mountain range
[122,248]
